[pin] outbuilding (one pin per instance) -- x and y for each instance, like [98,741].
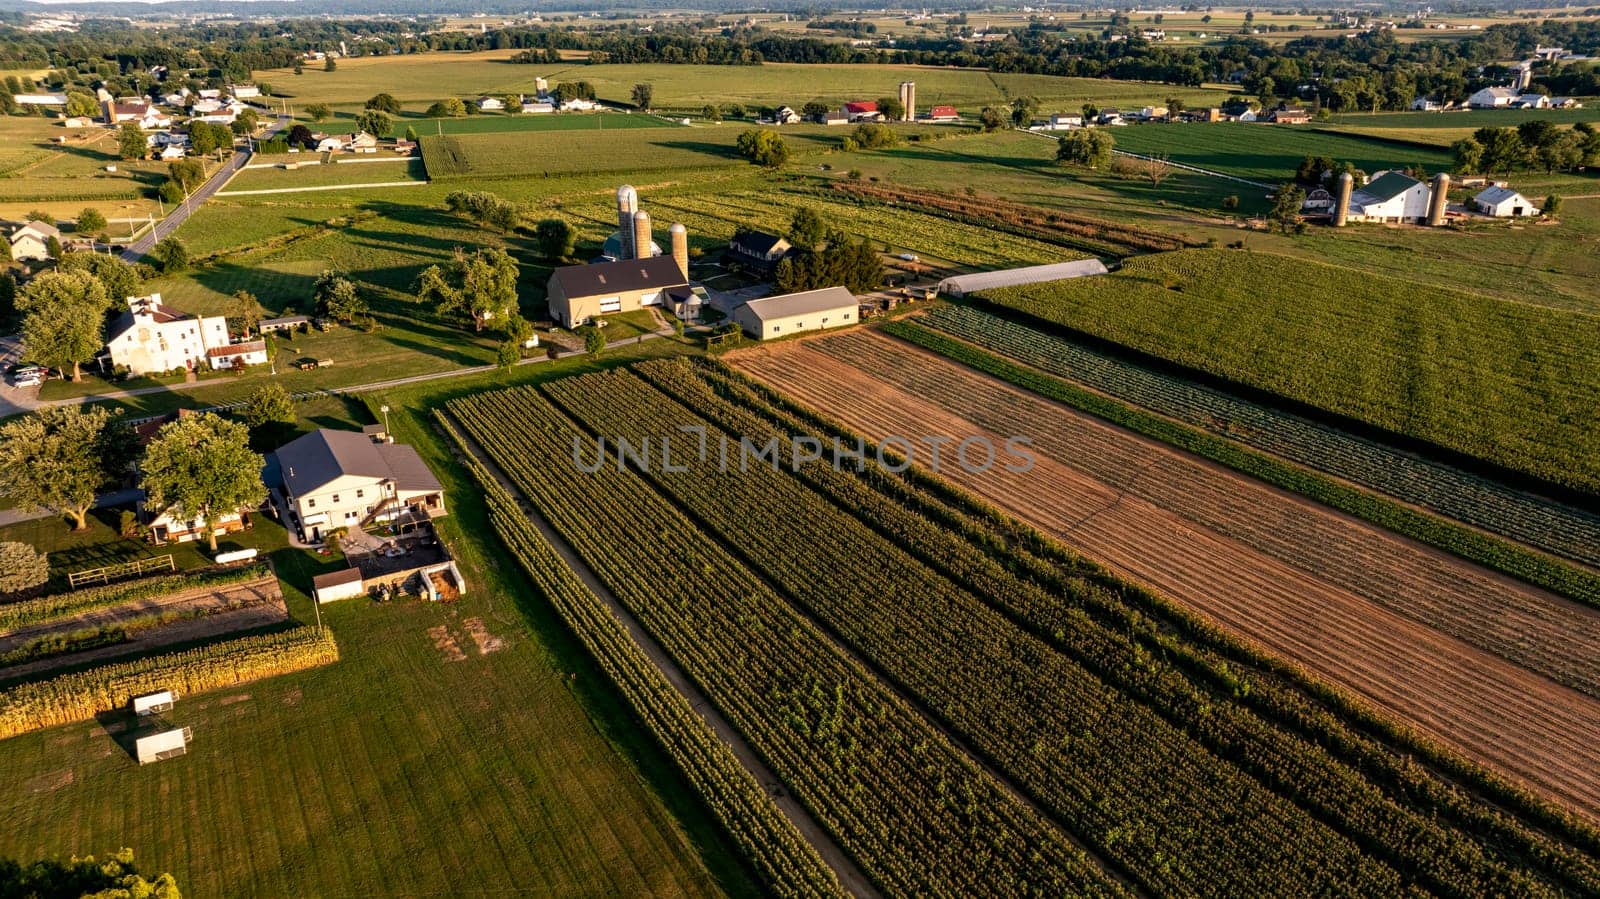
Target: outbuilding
[796,313]
[961,285]
[1503,202]
[335,585]
[578,293]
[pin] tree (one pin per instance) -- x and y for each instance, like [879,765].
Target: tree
[1552,206]
[1468,155]
[483,285]
[90,221]
[22,568]
[300,136]
[1561,153]
[1088,147]
[170,255]
[201,466]
[80,104]
[319,112]
[245,311]
[329,64]
[508,353]
[711,112]
[873,136]
[1175,106]
[270,404]
[763,147]
[594,342]
[1503,150]
[806,229]
[65,318]
[59,458]
[484,207]
[1156,168]
[1090,113]
[1023,109]
[246,122]
[448,108]
[555,238]
[643,93]
[120,279]
[892,108]
[107,878]
[385,103]
[991,119]
[337,298]
[1286,205]
[375,122]
[189,172]
[411,134]
[39,215]
[814,110]
[131,142]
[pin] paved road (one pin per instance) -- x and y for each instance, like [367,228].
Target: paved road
[165,228]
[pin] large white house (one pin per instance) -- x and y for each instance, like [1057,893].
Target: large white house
[1493,98]
[1503,202]
[333,479]
[151,338]
[1390,197]
[31,242]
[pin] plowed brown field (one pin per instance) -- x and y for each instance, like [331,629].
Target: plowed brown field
[1505,673]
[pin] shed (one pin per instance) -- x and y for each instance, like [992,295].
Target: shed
[337,585]
[159,741]
[153,703]
[1503,202]
[961,285]
[286,323]
[795,313]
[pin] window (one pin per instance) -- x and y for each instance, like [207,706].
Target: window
[360,493]
[336,498]
[776,328]
[847,316]
[311,504]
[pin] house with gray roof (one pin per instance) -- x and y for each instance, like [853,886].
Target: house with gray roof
[1503,202]
[331,479]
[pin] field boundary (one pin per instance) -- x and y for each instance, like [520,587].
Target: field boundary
[1177,165]
[301,190]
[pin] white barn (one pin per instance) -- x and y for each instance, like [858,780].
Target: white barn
[151,338]
[796,313]
[1390,197]
[1503,202]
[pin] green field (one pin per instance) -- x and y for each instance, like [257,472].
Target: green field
[1507,382]
[518,122]
[311,173]
[1269,153]
[400,769]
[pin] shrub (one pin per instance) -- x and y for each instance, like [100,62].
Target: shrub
[22,568]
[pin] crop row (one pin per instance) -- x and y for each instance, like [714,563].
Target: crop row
[916,815]
[1549,526]
[1098,759]
[45,609]
[1390,807]
[81,695]
[1512,823]
[787,864]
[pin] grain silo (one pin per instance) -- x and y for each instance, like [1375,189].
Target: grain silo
[1341,205]
[908,99]
[641,236]
[680,247]
[1437,202]
[627,205]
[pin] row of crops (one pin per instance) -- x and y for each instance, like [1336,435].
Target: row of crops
[916,814]
[1552,527]
[788,866]
[1184,766]
[1216,436]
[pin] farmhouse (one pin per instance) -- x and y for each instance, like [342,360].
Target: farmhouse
[1390,197]
[580,292]
[758,251]
[785,116]
[491,104]
[331,479]
[360,142]
[119,111]
[1503,202]
[330,144]
[1426,104]
[943,114]
[796,313]
[152,338]
[961,285]
[1061,121]
[171,152]
[31,242]
[1288,117]
[1493,98]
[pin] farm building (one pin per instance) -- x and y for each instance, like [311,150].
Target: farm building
[943,114]
[41,99]
[334,479]
[796,313]
[1390,197]
[245,91]
[961,285]
[1061,121]
[151,338]
[1288,117]
[238,355]
[164,527]
[862,111]
[580,292]
[31,242]
[1493,98]
[336,585]
[158,741]
[1503,202]
[491,104]
[129,110]
[835,118]
[1531,101]
[537,106]
[758,251]
[286,323]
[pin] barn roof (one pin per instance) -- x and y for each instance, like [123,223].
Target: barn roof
[806,303]
[622,275]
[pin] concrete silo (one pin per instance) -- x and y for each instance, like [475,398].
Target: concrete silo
[908,99]
[680,247]
[627,205]
[641,236]
[1341,204]
[1437,202]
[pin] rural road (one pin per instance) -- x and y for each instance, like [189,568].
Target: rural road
[164,228]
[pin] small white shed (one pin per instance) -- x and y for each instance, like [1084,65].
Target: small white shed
[160,743]
[154,703]
[336,585]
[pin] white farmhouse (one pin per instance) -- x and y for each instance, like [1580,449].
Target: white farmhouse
[1503,202]
[332,479]
[31,242]
[1390,197]
[491,104]
[150,338]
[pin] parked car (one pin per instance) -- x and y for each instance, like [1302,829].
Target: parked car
[28,376]
[908,257]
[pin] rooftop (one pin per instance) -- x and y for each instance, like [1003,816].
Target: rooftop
[317,458]
[614,277]
[1386,187]
[807,303]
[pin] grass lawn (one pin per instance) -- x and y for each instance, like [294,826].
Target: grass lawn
[486,123]
[1269,153]
[624,325]
[401,769]
[311,173]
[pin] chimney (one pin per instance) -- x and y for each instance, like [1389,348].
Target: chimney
[1437,202]
[1341,205]
[641,235]
[680,247]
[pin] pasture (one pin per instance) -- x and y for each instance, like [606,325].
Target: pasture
[1505,382]
[312,173]
[1269,153]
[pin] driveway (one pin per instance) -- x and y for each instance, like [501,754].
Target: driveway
[14,400]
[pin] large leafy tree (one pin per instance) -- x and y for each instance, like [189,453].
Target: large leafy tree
[337,297]
[81,104]
[555,237]
[119,278]
[131,142]
[384,102]
[201,466]
[643,93]
[1286,205]
[319,112]
[22,568]
[482,285]
[375,122]
[112,876]
[763,147]
[245,311]
[807,229]
[90,221]
[170,255]
[60,457]
[1088,147]
[64,318]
